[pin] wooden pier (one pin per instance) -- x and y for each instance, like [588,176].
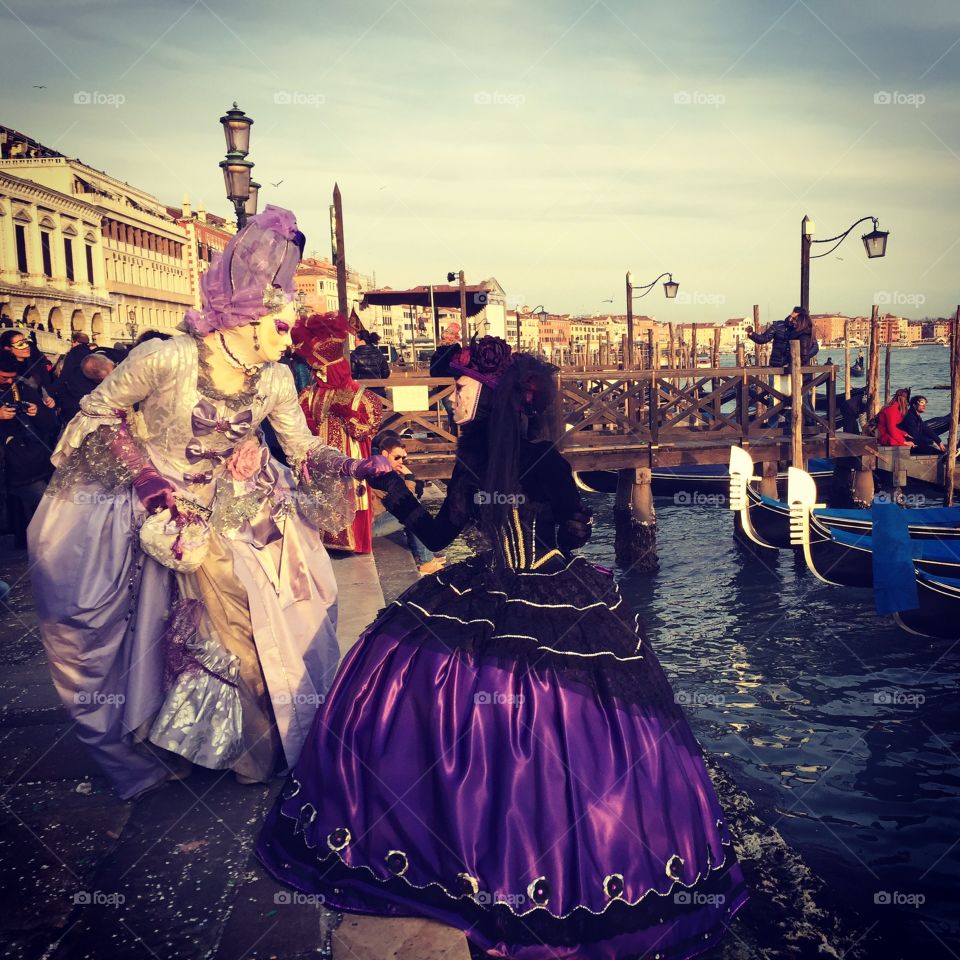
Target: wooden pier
[634,421]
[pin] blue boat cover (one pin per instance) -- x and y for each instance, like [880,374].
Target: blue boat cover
[894,580]
[915,516]
[936,551]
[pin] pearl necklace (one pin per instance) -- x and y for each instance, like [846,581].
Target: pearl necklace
[234,360]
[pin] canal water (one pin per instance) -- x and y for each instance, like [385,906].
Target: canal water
[843,729]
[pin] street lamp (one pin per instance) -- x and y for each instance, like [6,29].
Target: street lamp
[132,324]
[250,207]
[542,315]
[874,242]
[236,168]
[670,288]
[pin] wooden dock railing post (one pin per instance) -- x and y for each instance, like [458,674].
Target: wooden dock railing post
[873,373]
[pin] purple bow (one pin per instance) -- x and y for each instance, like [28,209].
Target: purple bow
[196,453]
[205,420]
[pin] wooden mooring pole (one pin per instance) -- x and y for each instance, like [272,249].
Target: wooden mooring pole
[846,358]
[796,407]
[635,521]
[863,483]
[886,372]
[951,462]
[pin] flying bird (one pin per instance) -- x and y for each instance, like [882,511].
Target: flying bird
[39,86]
[277,184]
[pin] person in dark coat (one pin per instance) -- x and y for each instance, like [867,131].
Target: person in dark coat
[443,356]
[925,440]
[28,431]
[33,365]
[367,362]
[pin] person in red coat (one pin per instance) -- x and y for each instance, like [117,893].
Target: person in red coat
[342,413]
[888,422]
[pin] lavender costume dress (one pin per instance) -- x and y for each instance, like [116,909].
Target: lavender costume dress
[206,665]
[501,752]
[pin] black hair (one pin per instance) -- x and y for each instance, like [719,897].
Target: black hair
[384,436]
[524,410]
[9,363]
[391,443]
[914,401]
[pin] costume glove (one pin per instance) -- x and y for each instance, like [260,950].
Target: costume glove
[366,468]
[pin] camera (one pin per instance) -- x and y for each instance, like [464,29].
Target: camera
[19,406]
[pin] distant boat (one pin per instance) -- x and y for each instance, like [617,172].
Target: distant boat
[856,368]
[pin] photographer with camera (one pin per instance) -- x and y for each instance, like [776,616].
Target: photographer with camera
[28,430]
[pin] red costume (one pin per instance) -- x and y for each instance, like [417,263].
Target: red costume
[888,426]
[339,411]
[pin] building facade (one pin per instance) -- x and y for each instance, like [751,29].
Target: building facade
[51,260]
[206,235]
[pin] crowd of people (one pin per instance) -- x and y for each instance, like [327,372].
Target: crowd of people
[38,398]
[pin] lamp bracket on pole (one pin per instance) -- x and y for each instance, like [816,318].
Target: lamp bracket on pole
[840,237]
[647,287]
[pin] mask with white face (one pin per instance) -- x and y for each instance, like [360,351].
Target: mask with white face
[466,400]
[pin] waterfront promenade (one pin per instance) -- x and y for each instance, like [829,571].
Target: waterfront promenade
[84,874]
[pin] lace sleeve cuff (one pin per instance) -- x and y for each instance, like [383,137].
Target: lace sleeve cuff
[325,499]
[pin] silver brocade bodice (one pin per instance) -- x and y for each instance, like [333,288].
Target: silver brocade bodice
[187,434]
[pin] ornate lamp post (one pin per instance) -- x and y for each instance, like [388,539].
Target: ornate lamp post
[235,166]
[670,288]
[874,242]
[542,315]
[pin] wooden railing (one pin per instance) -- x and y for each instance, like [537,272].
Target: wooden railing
[646,406]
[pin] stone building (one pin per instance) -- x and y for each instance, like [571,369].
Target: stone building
[51,260]
[206,235]
[145,267]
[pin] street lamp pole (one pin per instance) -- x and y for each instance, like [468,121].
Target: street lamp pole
[464,335]
[670,288]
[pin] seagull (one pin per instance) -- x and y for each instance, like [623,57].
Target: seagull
[277,184]
[39,86]
[607,301]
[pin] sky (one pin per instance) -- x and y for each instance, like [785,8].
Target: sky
[552,144]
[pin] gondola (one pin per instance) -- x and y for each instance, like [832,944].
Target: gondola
[695,478]
[766,522]
[845,558]
[938,614]
[857,367]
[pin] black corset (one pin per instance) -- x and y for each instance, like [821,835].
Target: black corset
[529,538]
